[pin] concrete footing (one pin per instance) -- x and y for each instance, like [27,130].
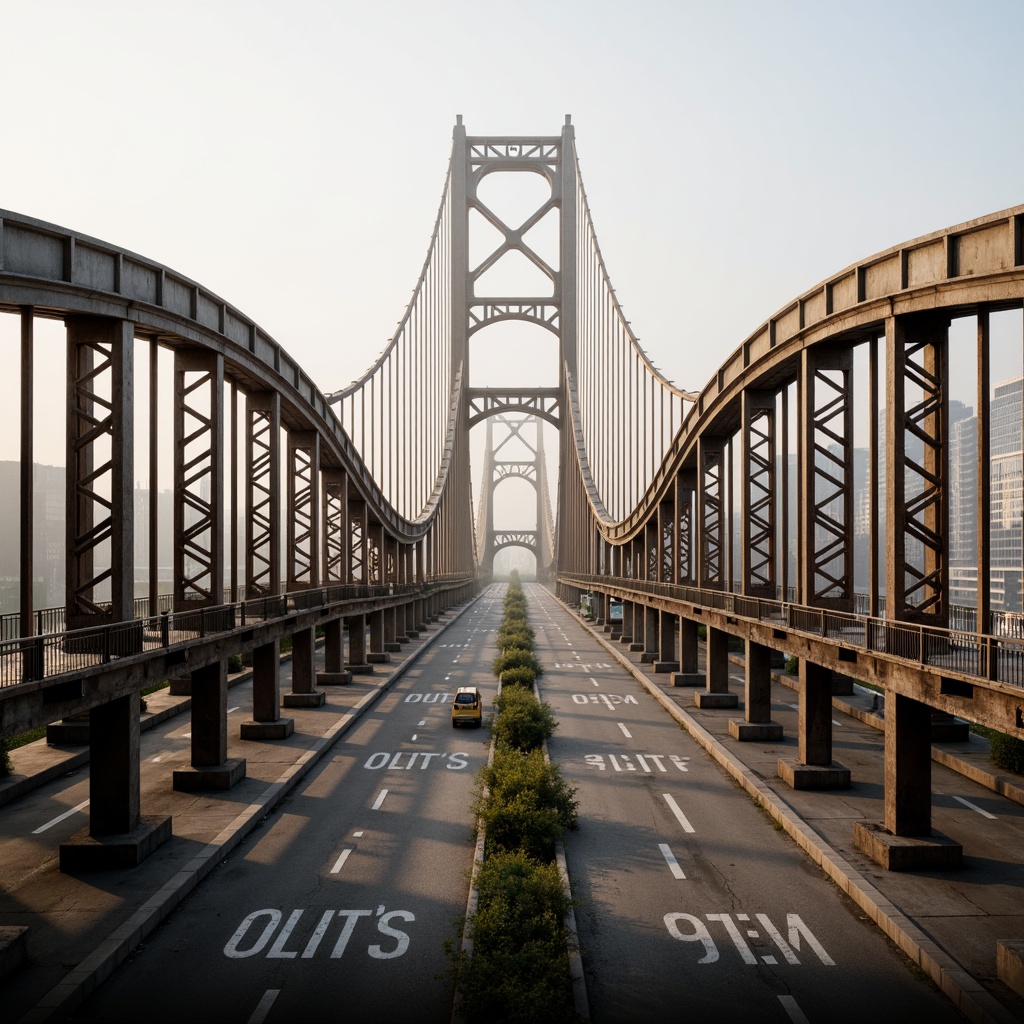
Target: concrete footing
[72,732]
[361,670]
[209,776]
[813,776]
[666,666]
[634,647]
[747,732]
[377,658]
[85,852]
[13,948]
[279,730]
[648,657]
[688,679]
[953,731]
[304,700]
[412,634]
[1009,964]
[613,635]
[392,646]
[333,678]
[936,852]
[703,699]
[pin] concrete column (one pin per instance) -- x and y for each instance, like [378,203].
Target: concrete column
[666,643]
[391,642]
[118,835]
[357,662]
[757,689]
[651,638]
[267,723]
[211,767]
[688,674]
[814,767]
[304,693]
[716,664]
[377,654]
[402,623]
[334,673]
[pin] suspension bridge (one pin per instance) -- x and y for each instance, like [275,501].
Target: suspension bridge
[710,516]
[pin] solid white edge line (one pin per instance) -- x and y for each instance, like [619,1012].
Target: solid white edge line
[975,807]
[670,859]
[675,809]
[380,799]
[625,731]
[340,861]
[60,817]
[796,1015]
[259,1015]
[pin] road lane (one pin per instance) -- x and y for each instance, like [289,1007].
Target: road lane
[746,924]
[339,905]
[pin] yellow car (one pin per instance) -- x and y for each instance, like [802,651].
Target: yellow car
[467,706]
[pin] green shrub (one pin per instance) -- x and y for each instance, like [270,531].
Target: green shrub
[516,657]
[793,665]
[523,721]
[515,636]
[235,663]
[519,968]
[528,802]
[521,676]
[1007,752]
[5,758]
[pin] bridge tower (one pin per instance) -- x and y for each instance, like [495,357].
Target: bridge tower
[517,432]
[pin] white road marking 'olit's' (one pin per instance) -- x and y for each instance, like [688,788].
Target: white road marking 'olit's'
[675,809]
[61,817]
[670,859]
[259,1015]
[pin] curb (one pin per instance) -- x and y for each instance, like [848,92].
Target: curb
[964,991]
[83,980]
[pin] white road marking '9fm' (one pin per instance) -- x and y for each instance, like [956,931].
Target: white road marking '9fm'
[624,762]
[250,940]
[611,699]
[798,933]
[385,759]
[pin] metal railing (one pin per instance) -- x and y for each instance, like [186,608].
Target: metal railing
[986,656]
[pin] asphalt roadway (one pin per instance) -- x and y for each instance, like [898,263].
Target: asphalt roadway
[654,897]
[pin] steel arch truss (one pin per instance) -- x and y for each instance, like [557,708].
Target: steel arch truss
[711,503]
[304,504]
[337,536]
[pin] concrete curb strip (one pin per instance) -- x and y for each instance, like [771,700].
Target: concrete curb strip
[80,982]
[965,992]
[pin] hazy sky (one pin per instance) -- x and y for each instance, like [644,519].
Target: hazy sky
[291,156]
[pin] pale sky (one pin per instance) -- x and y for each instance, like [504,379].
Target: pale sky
[291,156]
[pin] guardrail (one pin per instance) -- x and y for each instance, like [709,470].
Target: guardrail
[986,656]
[27,659]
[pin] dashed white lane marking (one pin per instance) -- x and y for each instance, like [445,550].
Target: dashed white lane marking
[670,859]
[796,1015]
[423,722]
[625,731]
[594,681]
[259,1015]
[975,807]
[341,860]
[674,808]
[379,800]
[414,737]
[357,834]
[61,817]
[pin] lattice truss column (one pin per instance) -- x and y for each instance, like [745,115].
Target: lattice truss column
[917,468]
[262,494]
[759,498]
[100,365]
[336,530]
[198,478]
[826,478]
[304,509]
[711,511]
[683,526]
[358,566]
[668,541]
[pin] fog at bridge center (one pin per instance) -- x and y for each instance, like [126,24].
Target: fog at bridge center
[291,157]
